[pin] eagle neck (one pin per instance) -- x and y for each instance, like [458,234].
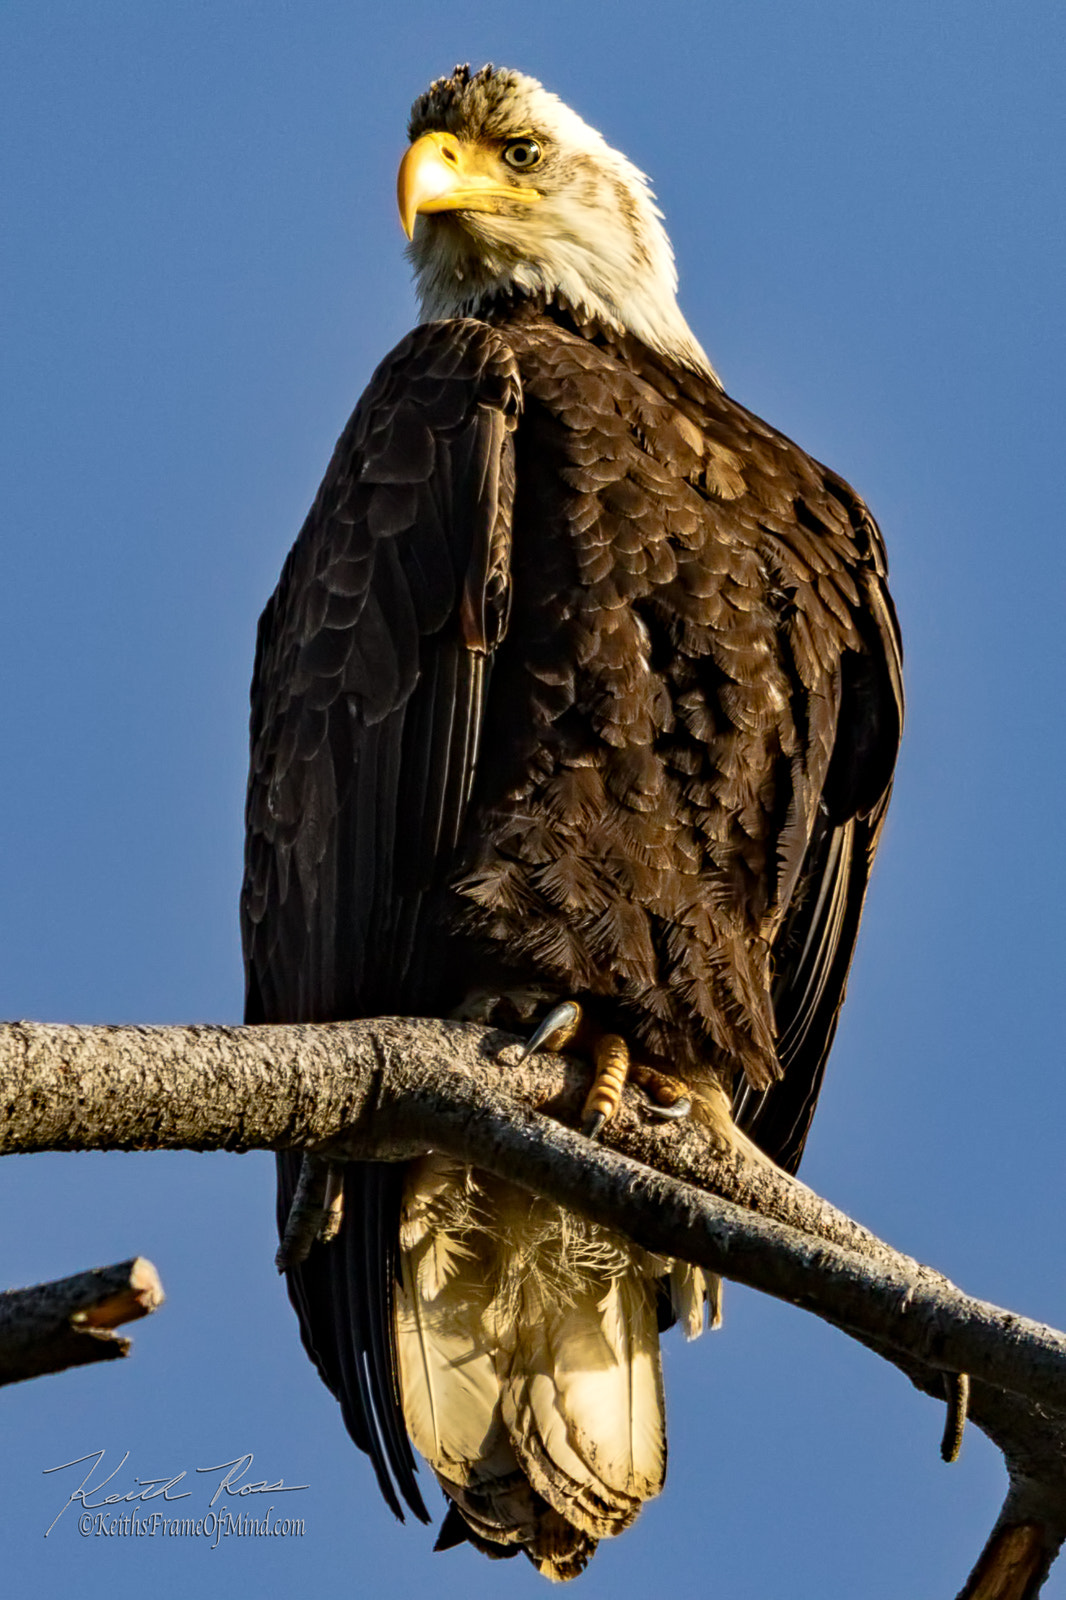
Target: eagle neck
[667,372]
[512,303]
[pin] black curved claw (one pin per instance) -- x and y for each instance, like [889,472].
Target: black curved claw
[680,1108]
[555,1031]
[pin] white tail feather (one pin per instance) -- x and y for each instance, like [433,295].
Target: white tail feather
[528,1354]
[693,1293]
[582,1400]
[448,1379]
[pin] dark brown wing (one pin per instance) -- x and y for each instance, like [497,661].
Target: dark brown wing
[371,667]
[813,951]
[710,690]
[823,569]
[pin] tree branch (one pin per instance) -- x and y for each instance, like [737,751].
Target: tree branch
[70,1322]
[389,1089]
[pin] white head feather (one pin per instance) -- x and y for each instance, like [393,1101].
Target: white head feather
[595,239]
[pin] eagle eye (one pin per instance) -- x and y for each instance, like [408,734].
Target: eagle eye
[522,154]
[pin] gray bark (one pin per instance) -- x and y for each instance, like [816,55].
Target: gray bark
[389,1089]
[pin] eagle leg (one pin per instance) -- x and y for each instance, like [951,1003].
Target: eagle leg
[611,1063]
[566,1024]
[669,1097]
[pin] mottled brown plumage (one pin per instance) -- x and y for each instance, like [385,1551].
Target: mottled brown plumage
[578,675]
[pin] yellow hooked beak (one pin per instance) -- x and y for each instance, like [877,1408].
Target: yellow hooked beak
[443,173]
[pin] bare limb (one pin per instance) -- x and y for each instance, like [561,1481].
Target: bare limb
[388,1089]
[70,1322]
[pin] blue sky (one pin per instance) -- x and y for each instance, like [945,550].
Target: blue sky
[201,267]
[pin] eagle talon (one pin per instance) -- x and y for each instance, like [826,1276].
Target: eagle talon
[593,1124]
[556,1030]
[668,1098]
[671,1113]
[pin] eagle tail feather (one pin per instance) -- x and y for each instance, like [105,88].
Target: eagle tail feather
[695,1296]
[529,1365]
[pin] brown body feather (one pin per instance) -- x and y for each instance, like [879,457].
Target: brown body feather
[578,674]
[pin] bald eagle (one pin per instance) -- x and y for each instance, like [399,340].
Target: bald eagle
[578,699]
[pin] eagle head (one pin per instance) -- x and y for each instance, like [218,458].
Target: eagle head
[505,190]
